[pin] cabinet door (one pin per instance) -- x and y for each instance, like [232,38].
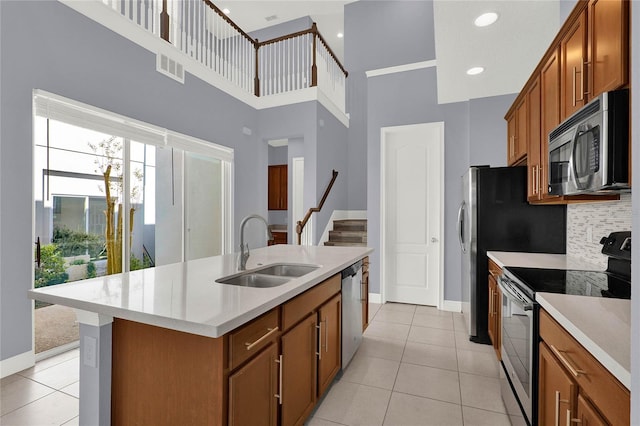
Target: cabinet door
[609,45]
[534,125]
[330,348]
[574,57]
[550,113]
[587,415]
[277,187]
[521,130]
[556,390]
[511,138]
[253,389]
[299,372]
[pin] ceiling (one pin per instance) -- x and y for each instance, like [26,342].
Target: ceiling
[508,50]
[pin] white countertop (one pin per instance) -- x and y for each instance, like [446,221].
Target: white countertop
[540,260]
[185,297]
[602,325]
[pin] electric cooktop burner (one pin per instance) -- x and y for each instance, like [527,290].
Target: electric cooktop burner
[575,282]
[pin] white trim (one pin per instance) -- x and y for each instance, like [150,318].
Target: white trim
[17,363]
[340,215]
[375,298]
[109,18]
[383,133]
[92,318]
[451,306]
[401,68]
[57,350]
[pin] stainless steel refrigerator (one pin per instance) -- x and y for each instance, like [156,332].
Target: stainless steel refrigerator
[495,216]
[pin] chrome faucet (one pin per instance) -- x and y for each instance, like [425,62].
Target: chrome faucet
[244,255]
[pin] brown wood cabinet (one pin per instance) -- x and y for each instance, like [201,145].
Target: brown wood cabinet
[329,346]
[556,389]
[594,395]
[277,192]
[279,237]
[608,53]
[269,371]
[253,389]
[495,309]
[299,372]
[589,55]
[573,47]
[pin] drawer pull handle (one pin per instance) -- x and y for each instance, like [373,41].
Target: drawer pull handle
[269,332]
[575,371]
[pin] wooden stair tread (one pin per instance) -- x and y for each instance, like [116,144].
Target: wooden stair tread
[344,244]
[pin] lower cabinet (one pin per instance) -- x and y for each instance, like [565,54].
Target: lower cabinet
[557,390]
[253,390]
[573,387]
[495,308]
[299,371]
[270,371]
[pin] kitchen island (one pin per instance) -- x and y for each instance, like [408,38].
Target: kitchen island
[177,325]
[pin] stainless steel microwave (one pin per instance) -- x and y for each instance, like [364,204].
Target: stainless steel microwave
[589,151]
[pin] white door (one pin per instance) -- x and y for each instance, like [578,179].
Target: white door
[412,182]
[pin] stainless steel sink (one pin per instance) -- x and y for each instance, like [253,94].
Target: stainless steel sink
[287,270]
[269,276]
[254,280]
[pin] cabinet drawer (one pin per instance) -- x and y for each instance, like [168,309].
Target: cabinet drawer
[612,398]
[298,308]
[247,340]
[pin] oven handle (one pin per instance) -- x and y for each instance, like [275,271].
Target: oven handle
[526,304]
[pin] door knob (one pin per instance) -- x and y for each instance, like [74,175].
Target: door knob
[434,240]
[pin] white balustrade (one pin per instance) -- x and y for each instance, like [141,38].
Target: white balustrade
[200,32]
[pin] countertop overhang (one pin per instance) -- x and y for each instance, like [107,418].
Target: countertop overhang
[185,297]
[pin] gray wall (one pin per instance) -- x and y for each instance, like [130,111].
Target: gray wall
[475,131]
[367,50]
[63,52]
[282,29]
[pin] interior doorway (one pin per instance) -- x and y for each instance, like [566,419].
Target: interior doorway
[412,212]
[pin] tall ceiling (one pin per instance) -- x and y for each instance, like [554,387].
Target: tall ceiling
[508,50]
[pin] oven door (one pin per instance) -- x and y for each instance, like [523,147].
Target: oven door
[519,344]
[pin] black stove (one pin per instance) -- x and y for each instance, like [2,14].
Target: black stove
[615,282]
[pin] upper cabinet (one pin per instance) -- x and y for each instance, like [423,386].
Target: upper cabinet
[589,56]
[608,55]
[573,65]
[278,187]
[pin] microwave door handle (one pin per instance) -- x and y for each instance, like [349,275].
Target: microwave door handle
[572,162]
[461,227]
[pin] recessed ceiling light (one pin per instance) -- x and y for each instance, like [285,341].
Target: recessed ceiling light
[226,11]
[340,35]
[486,19]
[475,70]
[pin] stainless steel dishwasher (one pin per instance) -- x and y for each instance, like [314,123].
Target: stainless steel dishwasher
[351,311]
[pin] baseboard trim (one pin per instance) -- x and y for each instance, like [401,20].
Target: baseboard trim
[452,306]
[375,298]
[17,363]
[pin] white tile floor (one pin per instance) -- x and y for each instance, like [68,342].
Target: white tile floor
[416,366]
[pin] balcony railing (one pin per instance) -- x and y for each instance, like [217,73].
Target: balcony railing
[263,68]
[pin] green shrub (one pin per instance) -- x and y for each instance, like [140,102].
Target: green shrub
[78,262]
[51,270]
[91,270]
[136,263]
[75,243]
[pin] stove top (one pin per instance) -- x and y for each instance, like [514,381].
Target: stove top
[575,282]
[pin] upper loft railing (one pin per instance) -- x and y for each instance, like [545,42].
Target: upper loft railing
[203,32]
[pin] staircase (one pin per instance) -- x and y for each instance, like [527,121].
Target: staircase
[348,232]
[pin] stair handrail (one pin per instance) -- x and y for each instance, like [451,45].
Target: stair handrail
[302,223]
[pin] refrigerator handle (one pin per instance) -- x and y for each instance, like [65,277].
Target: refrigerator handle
[461,227]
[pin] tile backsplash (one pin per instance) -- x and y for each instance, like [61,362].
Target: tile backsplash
[587,223]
